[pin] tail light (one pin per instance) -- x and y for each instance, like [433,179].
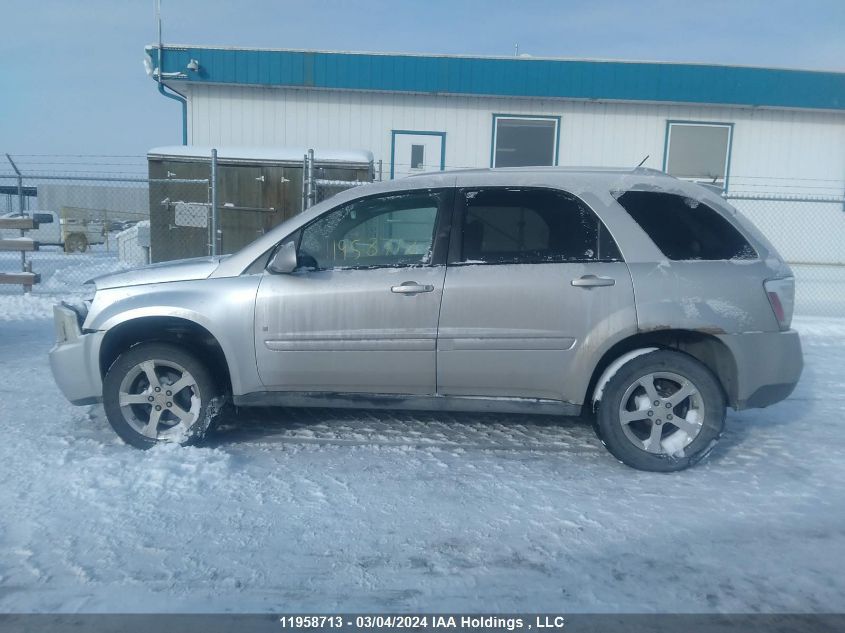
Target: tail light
[781,294]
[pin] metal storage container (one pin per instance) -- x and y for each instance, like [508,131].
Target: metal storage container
[257,188]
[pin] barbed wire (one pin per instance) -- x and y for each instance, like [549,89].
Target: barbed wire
[64,162]
[143,156]
[74,172]
[135,166]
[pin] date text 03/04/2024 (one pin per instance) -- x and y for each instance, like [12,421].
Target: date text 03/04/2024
[423,622]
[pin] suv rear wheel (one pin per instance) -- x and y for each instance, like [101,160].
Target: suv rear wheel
[156,392]
[662,411]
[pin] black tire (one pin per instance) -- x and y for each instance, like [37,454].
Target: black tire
[620,438]
[202,399]
[76,242]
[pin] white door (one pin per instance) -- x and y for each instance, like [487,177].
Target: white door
[414,152]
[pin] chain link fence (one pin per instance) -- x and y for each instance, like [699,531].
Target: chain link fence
[89,226]
[809,233]
[92,224]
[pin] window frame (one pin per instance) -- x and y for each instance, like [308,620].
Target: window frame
[395,133]
[440,237]
[455,257]
[530,117]
[721,124]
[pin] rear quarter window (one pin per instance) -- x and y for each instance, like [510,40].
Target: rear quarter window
[684,228]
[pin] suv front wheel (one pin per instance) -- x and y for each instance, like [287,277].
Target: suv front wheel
[662,411]
[156,392]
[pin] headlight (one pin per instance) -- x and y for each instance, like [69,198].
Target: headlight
[66,321]
[80,308]
[89,292]
[80,305]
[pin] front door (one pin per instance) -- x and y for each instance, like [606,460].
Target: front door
[533,280]
[360,313]
[413,152]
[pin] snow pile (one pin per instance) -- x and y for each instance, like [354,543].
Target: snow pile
[26,306]
[133,244]
[72,276]
[63,273]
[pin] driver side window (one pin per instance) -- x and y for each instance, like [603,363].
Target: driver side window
[384,231]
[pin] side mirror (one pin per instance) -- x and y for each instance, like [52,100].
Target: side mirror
[284,261]
[43,218]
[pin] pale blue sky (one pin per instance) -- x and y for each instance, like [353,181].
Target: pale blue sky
[73,82]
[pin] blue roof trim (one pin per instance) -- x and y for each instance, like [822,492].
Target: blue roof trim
[517,77]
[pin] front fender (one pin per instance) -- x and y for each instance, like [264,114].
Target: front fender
[225,307]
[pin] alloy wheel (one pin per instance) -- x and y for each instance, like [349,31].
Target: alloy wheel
[159,399]
[662,413]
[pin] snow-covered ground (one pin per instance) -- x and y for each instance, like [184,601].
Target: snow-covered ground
[306,510]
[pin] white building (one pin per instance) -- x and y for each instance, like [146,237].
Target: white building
[749,129]
[753,131]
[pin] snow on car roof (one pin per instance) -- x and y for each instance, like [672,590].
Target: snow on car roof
[262,154]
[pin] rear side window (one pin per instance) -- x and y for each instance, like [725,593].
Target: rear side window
[683,228]
[528,226]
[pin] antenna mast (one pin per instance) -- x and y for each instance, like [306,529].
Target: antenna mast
[158,20]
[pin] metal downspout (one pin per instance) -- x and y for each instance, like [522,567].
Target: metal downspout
[176,96]
[184,102]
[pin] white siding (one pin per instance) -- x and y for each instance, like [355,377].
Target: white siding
[772,151]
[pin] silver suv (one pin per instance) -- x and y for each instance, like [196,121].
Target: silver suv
[644,302]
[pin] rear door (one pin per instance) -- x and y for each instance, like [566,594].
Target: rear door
[533,279]
[360,314]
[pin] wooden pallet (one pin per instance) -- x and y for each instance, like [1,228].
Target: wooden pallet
[21,245]
[18,244]
[27,280]
[24,224]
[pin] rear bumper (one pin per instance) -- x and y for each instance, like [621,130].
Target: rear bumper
[769,365]
[74,359]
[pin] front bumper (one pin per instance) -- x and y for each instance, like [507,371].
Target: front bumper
[74,359]
[768,367]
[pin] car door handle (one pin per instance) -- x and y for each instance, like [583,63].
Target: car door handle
[591,281]
[411,288]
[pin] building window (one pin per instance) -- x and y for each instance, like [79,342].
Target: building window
[698,151]
[524,141]
[417,156]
